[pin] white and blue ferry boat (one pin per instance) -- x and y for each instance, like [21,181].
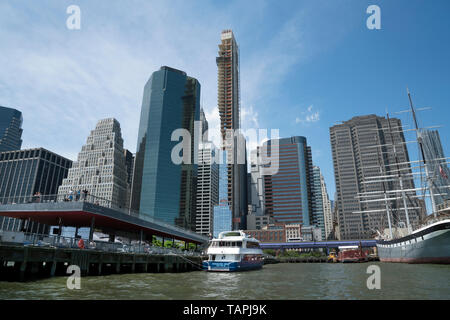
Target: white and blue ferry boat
[233,251]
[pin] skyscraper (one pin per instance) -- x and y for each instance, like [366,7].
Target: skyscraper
[207,188]
[327,209]
[318,212]
[437,164]
[363,147]
[222,211]
[23,173]
[288,192]
[100,166]
[229,111]
[129,165]
[204,126]
[163,189]
[10,129]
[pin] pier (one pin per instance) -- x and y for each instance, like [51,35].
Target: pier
[21,263]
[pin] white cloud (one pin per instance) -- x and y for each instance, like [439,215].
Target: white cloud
[65,81]
[308,116]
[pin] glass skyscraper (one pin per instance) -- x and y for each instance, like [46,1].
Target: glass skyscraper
[222,212]
[288,192]
[163,189]
[434,156]
[10,129]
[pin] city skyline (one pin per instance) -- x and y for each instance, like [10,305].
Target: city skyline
[59,75]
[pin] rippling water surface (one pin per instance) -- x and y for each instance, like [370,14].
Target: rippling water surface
[279,281]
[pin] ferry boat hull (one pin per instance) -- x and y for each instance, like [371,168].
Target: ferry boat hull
[431,245]
[230,266]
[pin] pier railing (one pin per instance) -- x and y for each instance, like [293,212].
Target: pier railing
[56,241]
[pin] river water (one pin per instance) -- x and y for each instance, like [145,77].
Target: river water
[275,281]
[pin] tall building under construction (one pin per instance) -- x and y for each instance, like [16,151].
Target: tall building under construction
[229,111]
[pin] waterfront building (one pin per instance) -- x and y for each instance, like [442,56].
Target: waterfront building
[362,147]
[163,189]
[288,192]
[30,172]
[437,164]
[10,129]
[100,167]
[293,232]
[257,222]
[311,233]
[270,233]
[207,188]
[229,111]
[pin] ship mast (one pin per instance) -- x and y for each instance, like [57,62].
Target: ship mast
[385,197]
[408,225]
[419,140]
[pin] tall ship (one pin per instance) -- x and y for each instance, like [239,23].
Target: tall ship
[430,241]
[233,251]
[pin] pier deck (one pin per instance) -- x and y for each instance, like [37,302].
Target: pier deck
[20,263]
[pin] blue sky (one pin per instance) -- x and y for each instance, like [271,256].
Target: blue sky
[304,64]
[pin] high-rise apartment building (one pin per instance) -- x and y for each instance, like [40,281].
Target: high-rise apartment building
[288,192]
[437,164]
[24,173]
[100,167]
[10,129]
[229,111]
[207,188]
[363,149]
[163,189]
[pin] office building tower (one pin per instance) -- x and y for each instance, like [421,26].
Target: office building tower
[327,209]
[164,188]
[204,126]
[257,199]
[288,192]
[229,111]
[100,167]
[10,129]
[207,188]
[129,165]
[222,220]
[437,165]
[318,216]
[25,173]
[362,149]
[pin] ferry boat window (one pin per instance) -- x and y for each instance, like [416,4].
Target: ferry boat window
[239,244]
[252,245]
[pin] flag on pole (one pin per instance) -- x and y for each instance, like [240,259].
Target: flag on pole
[442,172]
